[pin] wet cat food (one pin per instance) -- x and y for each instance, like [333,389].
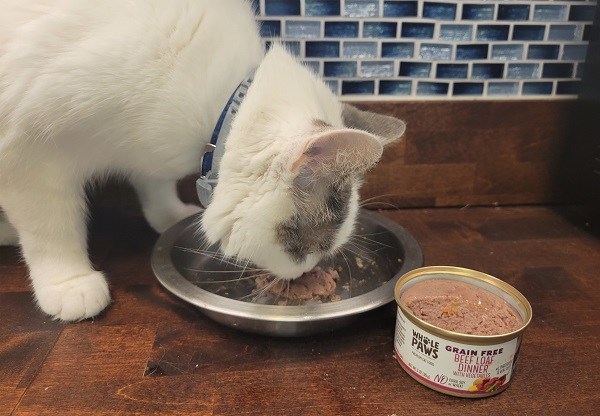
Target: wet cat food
[318,283]
[458,331]
[461,307]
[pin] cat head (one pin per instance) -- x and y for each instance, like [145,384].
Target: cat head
[293,164]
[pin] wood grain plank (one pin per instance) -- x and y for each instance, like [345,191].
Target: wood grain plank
[21,356]
[94,369]
[515,149]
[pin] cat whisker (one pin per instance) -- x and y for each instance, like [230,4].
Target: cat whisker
[259,293]
[367,251]
[363,250]
[368,240]
[198,233]
[217,256]
[367,243]
[248,263]
[377,196]
[371,234]
[349,271]
[229,280]
[363,205]
[218,271]
[244,269]
[353,252]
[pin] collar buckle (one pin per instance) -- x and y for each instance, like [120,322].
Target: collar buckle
[209,148]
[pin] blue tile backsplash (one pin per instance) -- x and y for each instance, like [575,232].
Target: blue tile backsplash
[550,12]
[360,50]
[342,29]
[321,7]
[387,87]
[415,69]
[472,51]
[444,11]
[582,13]
[528,32]
[467,88]
[456,32]
[435,52]
[380,29]
[417,30]
[483,11]
[487,71]
[508,51]
[361,8]
[502,88]
[377,69]
[523,71]
[537,88]
[492,32]
[564,32]
[432,88]
[282,7]
[358,87]
[557,70]
[513,12]
[299,29]
[397,49]
[440,49]
[340,69]
[270,28]
[542,51]
[400,8]
[452,71]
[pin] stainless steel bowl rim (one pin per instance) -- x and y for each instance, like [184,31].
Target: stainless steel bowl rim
[172,280]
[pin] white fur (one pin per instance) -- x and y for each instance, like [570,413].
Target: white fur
[134,88]
[272,127]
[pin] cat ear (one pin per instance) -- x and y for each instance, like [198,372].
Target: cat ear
[387,129]
[336,152]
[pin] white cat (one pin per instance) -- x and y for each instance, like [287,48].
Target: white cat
[90,88]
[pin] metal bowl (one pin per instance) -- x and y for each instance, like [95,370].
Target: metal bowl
[369,266]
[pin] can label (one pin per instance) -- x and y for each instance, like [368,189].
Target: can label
[451,366]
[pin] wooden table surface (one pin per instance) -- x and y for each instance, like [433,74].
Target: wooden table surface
[151,353]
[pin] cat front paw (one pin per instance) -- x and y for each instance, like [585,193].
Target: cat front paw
[75,299]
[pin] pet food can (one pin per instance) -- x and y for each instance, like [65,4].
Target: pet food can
[454,363]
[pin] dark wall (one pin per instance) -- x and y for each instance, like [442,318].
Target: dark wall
[580,173]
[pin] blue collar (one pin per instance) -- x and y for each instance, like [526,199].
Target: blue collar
[213,151]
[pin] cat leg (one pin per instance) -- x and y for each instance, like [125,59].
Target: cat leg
[49,214]
[8,234]
[160,203]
